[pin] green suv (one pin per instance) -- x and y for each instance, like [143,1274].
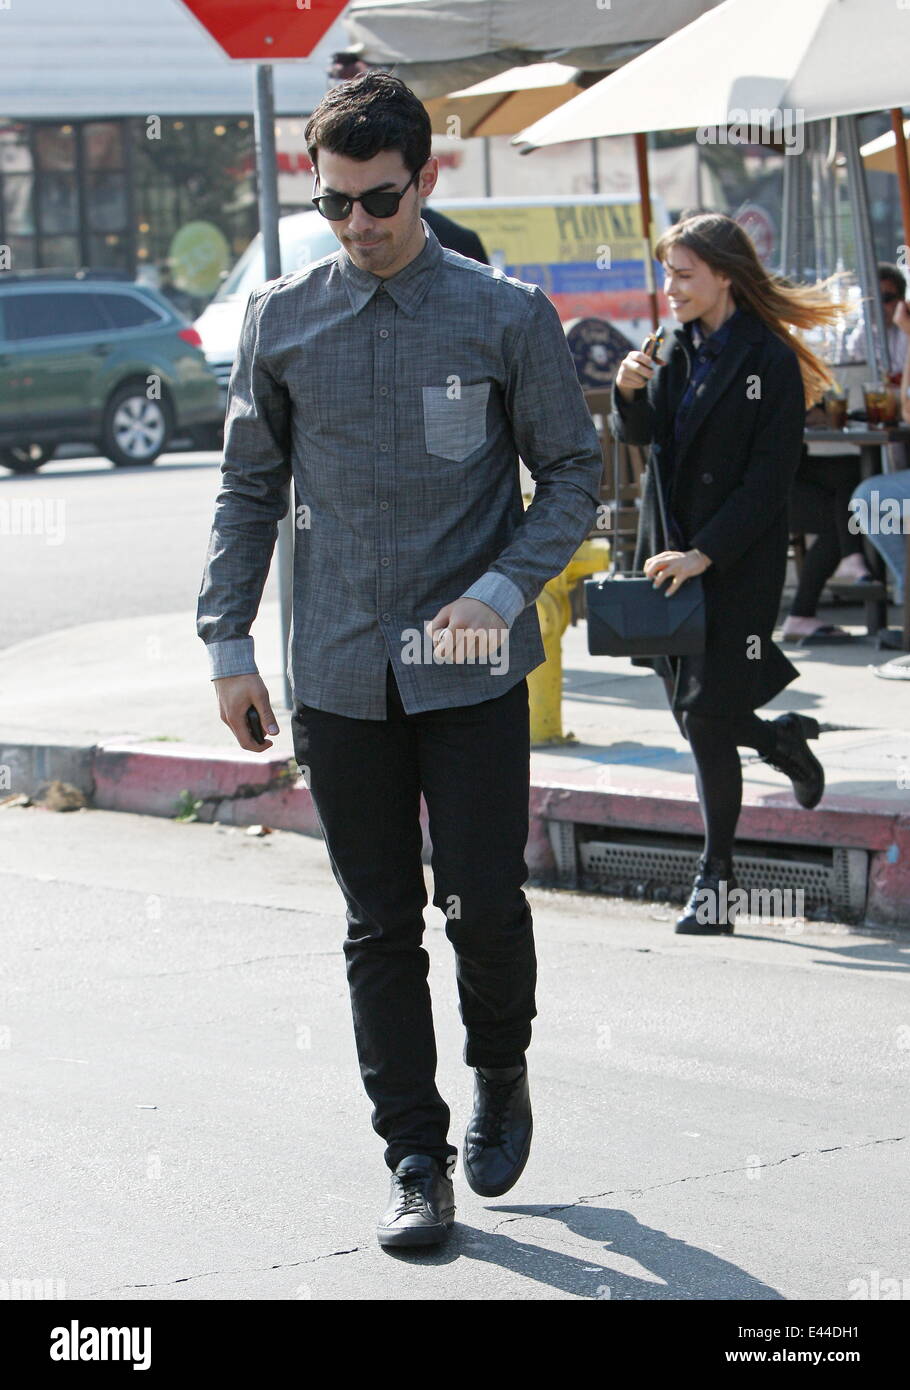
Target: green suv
[87,356]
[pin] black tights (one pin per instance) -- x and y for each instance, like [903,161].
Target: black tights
[715,742]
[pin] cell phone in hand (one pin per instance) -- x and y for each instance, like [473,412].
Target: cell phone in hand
[254,724]
[652,343]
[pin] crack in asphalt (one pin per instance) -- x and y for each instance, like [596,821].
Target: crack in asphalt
[695,1177]
[509,1220]
[211,1273]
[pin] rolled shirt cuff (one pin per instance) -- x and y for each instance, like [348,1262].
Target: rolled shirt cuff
[232,658]
[499,593]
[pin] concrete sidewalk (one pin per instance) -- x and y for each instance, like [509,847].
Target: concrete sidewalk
[125,710]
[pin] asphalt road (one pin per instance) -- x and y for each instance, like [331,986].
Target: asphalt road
[184,1117]
[82,541]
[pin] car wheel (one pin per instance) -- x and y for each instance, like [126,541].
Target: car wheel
[135,429]
[25,458]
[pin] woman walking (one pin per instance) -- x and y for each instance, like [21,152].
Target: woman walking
[724,416]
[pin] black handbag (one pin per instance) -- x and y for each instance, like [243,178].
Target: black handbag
[627,616]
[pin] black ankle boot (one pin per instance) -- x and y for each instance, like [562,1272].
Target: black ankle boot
[793,757]
[709,911]
[498,1138]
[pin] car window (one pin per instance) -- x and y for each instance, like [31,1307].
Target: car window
[297,250]
[51,315]
[128,310]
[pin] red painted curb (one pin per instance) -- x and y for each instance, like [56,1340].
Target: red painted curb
[240,788]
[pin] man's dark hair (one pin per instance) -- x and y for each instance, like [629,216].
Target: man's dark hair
[886,271]
[371,113]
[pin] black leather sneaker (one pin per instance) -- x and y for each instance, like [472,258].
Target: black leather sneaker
[498,1138]
[795,759]
[709,911]
[421,1206]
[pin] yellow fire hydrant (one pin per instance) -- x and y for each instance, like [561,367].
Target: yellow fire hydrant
[554,611]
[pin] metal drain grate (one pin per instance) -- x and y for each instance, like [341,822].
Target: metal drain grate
[830,882]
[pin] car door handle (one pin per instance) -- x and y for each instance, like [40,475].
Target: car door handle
[101,349]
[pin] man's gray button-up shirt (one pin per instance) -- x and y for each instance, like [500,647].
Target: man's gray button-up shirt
[399,407]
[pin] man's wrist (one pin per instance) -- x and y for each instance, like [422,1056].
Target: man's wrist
[233,657]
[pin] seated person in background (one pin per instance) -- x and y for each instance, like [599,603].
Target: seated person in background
[893,286]
[821,496]
[819,506]
[875,516]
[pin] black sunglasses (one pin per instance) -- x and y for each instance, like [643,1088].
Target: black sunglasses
[380,202]
[889,297]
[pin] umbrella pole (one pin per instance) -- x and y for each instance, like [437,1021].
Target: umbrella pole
[903,171]
[644,194]
[879,360]
[786,217]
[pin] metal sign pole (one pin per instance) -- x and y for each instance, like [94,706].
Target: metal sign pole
[267,177]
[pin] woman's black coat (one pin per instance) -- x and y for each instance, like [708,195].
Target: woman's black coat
[726,483]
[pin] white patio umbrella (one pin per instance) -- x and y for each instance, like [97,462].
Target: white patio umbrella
[814,58]
[436,46]
[770,68]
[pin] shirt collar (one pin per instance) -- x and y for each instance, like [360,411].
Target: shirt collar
[407,288]
[713,342]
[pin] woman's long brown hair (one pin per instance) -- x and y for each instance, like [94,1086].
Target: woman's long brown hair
[728,250]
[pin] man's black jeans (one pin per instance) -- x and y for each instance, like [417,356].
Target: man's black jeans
[472,764]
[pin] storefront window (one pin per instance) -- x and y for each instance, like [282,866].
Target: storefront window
[55,146]
[193,183]
[110,250]
[58,204]
[102,146]
[18,212]
[60,251]
[106,202]
[15,149]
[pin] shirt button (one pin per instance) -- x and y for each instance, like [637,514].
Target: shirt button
[707,477]
[383,332]
[386,617]
[383,390]
[384,448]
[383,506]
[385,560]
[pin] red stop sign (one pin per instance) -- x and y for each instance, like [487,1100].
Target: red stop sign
[266,29]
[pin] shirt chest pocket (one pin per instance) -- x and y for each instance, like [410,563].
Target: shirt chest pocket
[455,419]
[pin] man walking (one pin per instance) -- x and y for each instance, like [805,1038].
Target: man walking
[397,383]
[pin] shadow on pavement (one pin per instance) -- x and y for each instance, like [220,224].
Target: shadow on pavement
[673,1268]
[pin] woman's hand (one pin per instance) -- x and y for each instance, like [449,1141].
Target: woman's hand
[902,315]
[635,371]
[675,565]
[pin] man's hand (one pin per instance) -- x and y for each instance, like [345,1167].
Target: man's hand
[235,695]
[676,565]
[902,315]
[468,617]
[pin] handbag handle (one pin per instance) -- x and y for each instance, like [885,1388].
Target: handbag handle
[661,505]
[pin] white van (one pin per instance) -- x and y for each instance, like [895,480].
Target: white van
[584,252]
